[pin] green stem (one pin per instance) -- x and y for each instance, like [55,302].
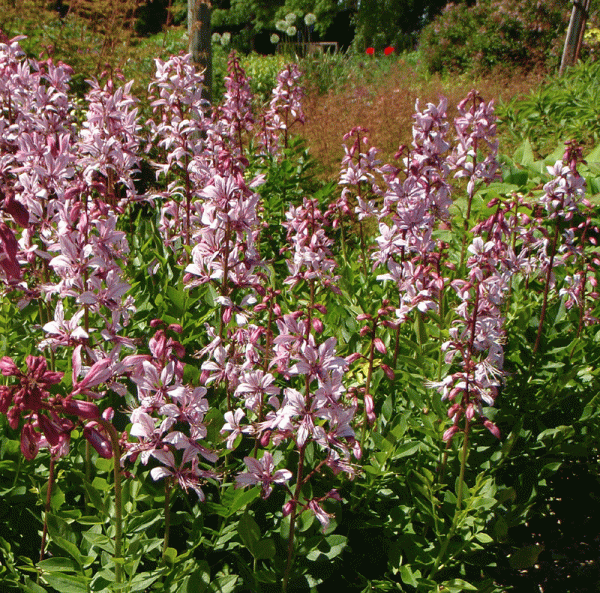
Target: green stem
[47,508]
[546,290]
[463,465]
[116,448]
[167,518]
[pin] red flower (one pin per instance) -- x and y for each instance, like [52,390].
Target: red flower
[370,51]
[388,50]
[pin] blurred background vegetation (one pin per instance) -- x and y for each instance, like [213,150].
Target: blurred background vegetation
[509,49]
[93,35]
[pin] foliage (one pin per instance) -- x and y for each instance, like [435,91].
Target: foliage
[391,23]
[222,374]
[561,109]
[480,36]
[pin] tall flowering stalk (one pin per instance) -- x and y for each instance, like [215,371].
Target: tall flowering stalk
[284,111]
[168,423]
[475,156]
[180,111]
[563,197]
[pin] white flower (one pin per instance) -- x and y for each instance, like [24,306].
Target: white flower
[274,39]
[291,31]
[310,19]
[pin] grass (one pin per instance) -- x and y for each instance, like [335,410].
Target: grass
[385,105]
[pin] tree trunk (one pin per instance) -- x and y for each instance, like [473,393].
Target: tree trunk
[200,41]
[574,34]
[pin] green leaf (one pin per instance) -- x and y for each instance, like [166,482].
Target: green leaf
[68,584]
[408,577]
[249,531]
[240,499]
[197,582]
[58,564]
[68,547]
[524,154]
[141,582]
[95,498]
[142,521]
[224,584]
[407,449]
[32,587]
[525,557]
[264,549]
[457,585]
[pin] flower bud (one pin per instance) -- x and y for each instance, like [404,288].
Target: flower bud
[98,441]
[8,367]
[50,429]
[83,409]
[450,433]
[288,507]
[265,438]
[389,372]
[379,345]
[317,325]
[353,357]
[492,428]
[30,442]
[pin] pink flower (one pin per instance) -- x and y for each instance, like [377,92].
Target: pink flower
[261,472]
[370,51]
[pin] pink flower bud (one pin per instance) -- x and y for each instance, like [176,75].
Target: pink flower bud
[8,367]
[321,309]
[156,323]
[6,396]
[98,441]
[492,428]
[364,330]
[260,307]
[317,325]
[277,309]
[379,345]
[288,507]
[470,412]
[389,372]
[227,314]
[16,210]
[30,442]
[353,357]
[453,410]
[51,431]
[265,438]
[83,409]
[369,408]
[176,328]
[450,433]
[363,316]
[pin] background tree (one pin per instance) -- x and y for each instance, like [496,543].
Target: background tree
[199,32]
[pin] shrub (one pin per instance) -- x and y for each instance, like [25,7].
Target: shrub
[494,32]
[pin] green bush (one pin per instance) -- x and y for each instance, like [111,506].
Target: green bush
[564,108]
[493,33]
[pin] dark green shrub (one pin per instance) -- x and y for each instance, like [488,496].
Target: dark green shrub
[493,33]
